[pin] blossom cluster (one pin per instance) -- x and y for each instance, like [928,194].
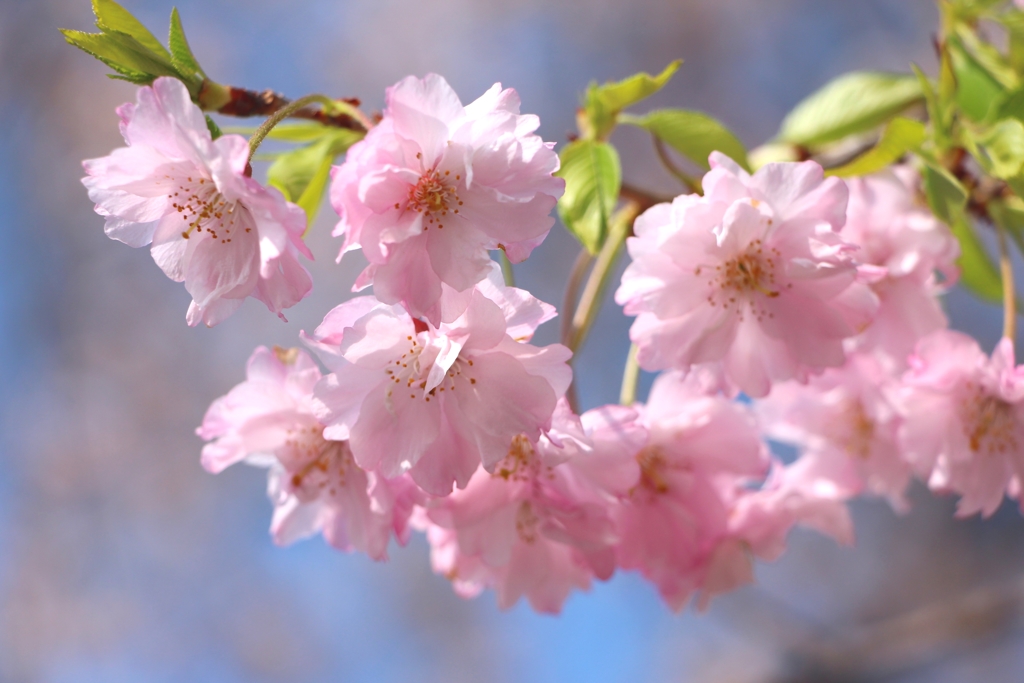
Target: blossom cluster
[430,409]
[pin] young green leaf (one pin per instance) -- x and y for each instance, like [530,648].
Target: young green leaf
[1002,148]
[851,104]
[976,89]
[215,131]
[692,134]
[181,54]
[312,197]
[946,196]
[111,17]
[299,172]
[593,178]
[978,273]
[900,136]
[122,53]
[604,102]
[299,131]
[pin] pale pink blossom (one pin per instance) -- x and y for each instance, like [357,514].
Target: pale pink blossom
[314,483]
[964,419]
[907,247]
[436,184]
[438,402]
[211,226]
[811,492]
[540,524]
[850,415]
[752,276]
[674,527]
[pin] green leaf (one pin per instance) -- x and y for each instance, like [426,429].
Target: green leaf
[853,103]
[987,56]
[301,131]
[692,134]
[300,173]
[947,199]
[900,136]
[122,53]
[976,89]
[1003,148]
[312,197]
[593,178]
[946,196]
[111,17]
[603,103]
[215,131]
[181,54]
[978,273]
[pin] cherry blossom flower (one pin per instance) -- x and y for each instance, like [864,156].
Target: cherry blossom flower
[436,184]
[907,245]
[810,492]
[220,232]
[964,421]
[314,483]
[753,275]
[540,524]
[675,525]
[438,402]
[851,415]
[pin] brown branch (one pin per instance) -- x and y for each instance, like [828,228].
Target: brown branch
[232,101]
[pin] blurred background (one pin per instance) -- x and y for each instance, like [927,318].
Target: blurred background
[122,560]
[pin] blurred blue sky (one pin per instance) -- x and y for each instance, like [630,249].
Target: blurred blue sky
[121,560]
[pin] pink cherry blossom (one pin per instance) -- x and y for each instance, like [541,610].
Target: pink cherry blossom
[850,415]
[436,184]
[964,422]
[675,525]
[753,275]
[220,232]
[540,524]
[315,484]
[907,245]
[811,492]
[438,402]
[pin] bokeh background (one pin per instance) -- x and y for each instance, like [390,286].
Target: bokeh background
[122,560]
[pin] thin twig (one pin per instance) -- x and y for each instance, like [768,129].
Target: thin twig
[239,102]
[691,183]
[572,293]
[280,115]
[1009,293]
[630,377]
[590,301]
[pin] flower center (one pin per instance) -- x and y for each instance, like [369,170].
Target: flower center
[521,462]
[742,278]
[202,206]
[653,466]
[856,430]
[433,196]
[527,522]
[410,373]
[314,463]
[989,423]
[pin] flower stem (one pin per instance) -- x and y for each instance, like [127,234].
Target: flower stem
[506,269]
[630,377]
[590,302]
[1009,293]
[572,292]
[691,183]
[281,114]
